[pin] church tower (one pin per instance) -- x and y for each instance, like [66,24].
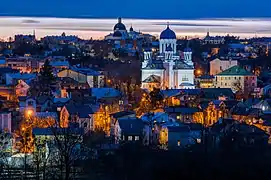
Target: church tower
[168,38]
[188,55]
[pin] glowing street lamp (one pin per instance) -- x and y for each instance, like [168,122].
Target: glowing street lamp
[29,112]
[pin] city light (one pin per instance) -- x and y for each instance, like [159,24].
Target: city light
[29,112]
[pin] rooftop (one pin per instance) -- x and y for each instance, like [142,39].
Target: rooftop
[235,71]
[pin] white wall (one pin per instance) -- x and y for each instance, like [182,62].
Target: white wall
[217,65]
[148,72]
[184,73]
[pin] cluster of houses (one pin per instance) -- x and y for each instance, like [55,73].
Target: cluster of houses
[226,98]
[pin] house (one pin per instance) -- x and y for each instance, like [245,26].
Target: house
[182,114]
[153,123]
[264,105]
[105,93]
[44,103]
[240,134]
[183,135]
[22,88]
[58,65]
[177,97]
[205,81]
[238,79]
[65,83]
[128,130]
[216,94]
[27,104]
[47,138]
[84,75]
[12,78]
[4,71]
[220,65]
[7,92]
[115,116]
[5,121]
[83,115]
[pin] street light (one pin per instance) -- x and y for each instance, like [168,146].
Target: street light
[29,112]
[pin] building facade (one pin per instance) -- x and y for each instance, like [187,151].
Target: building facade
[219,65]
[169,70]
[236,78]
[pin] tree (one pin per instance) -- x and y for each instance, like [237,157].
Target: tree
[156,98]
[46,78]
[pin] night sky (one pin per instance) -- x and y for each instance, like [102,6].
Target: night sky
[173,9]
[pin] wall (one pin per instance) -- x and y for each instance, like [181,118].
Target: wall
[217,65]
[147,72]
[184,76]
[5,121]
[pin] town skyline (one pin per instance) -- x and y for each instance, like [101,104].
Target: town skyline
[87,28]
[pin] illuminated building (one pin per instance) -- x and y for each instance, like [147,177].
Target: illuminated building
[206,81]
[219,65]
[236,78]
[167,66]
[213,39]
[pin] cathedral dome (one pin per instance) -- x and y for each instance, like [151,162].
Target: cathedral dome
[168,34]
[120,26]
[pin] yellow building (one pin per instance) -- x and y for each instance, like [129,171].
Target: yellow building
[238,79]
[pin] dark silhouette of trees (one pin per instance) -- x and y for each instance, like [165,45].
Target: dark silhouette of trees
[46,78]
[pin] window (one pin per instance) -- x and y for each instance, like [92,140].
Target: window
[198,141]
[225,84]
[239,78]
[178,117]
[136,138]
[221,78]
[179,143]
[229,78]
[130,138]
[246,78]
[85,125]
[253,84]
[123,137]
[235,78]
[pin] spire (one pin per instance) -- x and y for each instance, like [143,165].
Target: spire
[131,28]
[34,32]
[208,32]
[119,20]
[167,24]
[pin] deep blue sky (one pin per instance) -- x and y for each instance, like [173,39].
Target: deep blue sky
[138,8]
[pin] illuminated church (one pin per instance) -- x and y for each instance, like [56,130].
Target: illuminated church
[167,69]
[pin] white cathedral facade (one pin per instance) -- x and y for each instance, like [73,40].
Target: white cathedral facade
[167,69]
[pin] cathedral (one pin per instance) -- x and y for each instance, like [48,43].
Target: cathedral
[167,69]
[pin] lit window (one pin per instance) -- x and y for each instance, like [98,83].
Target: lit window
[136,138]
[130,138]
[179,143]
[198,140]
[178,117]
[120,102]
[123,137]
